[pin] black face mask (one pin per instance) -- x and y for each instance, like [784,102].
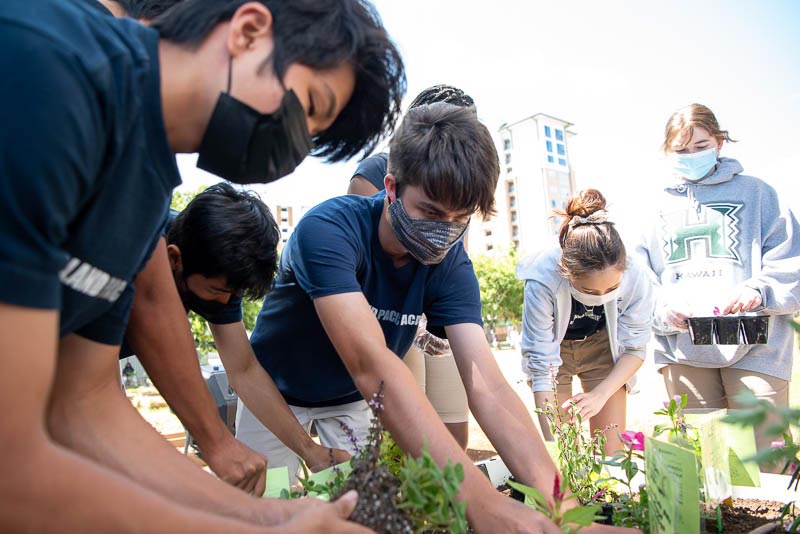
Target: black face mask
[203,308]
[244,146]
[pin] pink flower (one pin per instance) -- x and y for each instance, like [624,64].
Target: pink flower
[633,440]
[777,444]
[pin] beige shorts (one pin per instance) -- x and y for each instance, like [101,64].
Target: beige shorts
[438,377]
[707,387]
[589,359]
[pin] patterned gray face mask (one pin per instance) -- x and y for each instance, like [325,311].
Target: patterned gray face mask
[428,242]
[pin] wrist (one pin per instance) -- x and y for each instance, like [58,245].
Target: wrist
[212,436]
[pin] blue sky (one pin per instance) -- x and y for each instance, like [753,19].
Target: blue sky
[615,69]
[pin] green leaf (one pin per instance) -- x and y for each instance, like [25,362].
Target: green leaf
[581,515]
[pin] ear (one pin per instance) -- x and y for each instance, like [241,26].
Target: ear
[390,184]
[250,24]
[174,255]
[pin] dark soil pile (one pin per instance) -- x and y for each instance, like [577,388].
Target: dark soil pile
[377,499]
[745,515]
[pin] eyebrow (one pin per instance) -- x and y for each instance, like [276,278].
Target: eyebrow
[331,101]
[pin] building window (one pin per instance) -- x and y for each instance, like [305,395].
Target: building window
[561,151]
[562,162]
[547,131]
[506,144]
[515,231]
[508,159]
[512,202]
[508,170]
[514,217]
[550,159]
[549,146]
[516,242]
[489,247]
[511,188]
[559,135]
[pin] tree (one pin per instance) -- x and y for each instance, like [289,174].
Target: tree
[501,292]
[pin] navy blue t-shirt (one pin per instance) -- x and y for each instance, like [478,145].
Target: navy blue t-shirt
[333,250]
[373,169]
[86,172]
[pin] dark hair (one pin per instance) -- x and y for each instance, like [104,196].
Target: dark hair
[442,93]
[589,242]
[146,9]
[320,34]
[450,153]
[231,233]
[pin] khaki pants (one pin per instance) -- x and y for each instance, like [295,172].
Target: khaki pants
[589,359]
[718,388]
[438,377]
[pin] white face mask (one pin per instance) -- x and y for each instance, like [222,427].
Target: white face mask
[593,300]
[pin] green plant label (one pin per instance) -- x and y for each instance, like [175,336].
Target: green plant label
[714,459]
[322,478]
[672,486]
[277,481]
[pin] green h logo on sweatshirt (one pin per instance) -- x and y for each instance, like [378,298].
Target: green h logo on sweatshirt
[716,226]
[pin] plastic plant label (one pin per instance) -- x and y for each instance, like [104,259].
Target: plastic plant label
[673,489]
[322,478]
[741,444]
[277,481]
[715,459]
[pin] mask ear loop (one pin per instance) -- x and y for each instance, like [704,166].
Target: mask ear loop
[230,73]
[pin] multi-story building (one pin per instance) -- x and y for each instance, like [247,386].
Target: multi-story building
[536,177]
[287,218]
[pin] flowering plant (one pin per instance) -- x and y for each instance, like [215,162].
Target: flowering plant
[571,520]
[630,509]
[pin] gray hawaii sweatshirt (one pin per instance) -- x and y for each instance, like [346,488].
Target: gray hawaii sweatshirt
[708,240]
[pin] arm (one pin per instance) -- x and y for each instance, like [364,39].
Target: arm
[541,351]
[361,186]
[159,334]
[89,414]
[774,289]
[259,393]
[590,403]
[357,337]
[85,495]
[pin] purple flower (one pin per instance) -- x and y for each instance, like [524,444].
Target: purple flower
[676,398]
[633,440]
[777,444]
[558,495]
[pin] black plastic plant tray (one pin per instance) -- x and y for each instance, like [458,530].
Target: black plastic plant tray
[736,330]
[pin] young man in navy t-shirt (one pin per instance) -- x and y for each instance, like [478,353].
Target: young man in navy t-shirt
[355,278]
[92,110]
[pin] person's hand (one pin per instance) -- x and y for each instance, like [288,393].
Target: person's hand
[237,464]
[503,514]
[677,317]
[324,518]
[319,457]
[587,404]
[747,299]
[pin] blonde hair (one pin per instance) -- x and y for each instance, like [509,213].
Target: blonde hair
[682,123]
[589,242]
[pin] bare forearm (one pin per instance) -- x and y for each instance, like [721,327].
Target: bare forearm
[82,496]
[504,418]
[105,427]
[623,370]
[259,393]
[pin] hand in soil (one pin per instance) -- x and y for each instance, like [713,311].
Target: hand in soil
[238,465]
[329,518]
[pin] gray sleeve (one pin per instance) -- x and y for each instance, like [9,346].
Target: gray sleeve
[779,279]
[541,351]
[373,169]
[633,328]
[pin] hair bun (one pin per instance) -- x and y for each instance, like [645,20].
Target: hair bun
[585,203]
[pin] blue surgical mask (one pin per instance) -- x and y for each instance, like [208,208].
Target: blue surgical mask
[693,167]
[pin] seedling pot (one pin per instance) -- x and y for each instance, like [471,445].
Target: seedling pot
[726,330]
[701,330]
[744,330]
